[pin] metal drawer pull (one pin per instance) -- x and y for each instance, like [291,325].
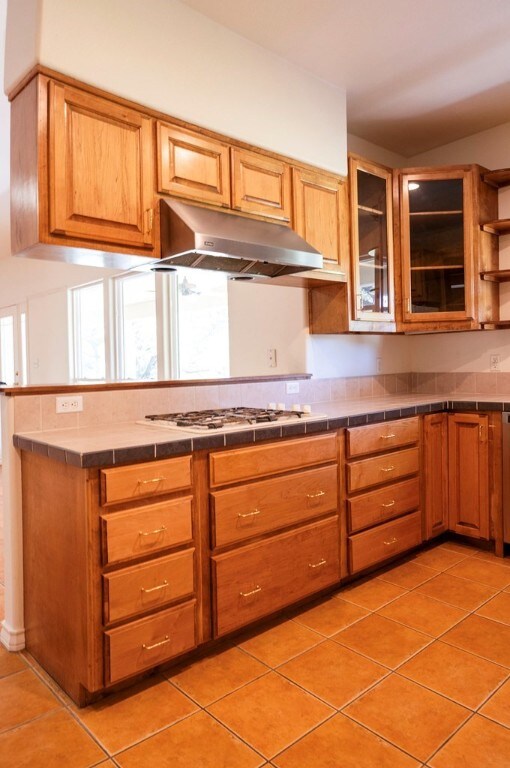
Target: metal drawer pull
[387,469]
[156,645]
[249,514]
[389,504]
[153,533]
[387,437]
[317,565]
[390,542]
[253,592]
[315,495]
[154,589]
[152,480]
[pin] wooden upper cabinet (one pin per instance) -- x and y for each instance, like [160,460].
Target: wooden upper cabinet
[261,185]
[319,205]
[469,492]
[100,166]
[193,166]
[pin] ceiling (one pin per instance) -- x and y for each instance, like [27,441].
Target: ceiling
[418,73]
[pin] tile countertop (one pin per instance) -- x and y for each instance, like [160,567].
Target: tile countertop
[130,442]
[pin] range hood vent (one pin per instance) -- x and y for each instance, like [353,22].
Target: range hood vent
[192,236]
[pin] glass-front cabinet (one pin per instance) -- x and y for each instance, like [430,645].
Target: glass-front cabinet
[437,246]
[372,241]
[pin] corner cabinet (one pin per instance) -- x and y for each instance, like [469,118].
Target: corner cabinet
[468,437]
[435,470]
[443,249]
[371,209]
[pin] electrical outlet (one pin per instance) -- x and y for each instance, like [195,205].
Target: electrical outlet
[71,404]
[271,358]
[292,387]
[494,362]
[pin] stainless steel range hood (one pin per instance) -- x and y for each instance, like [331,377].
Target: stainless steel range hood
[192,236]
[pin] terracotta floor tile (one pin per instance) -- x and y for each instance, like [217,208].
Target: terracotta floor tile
[120,720]
[463,677]
[53,741]
[218,674]
[461,547]
[497,609]
[492,558]
[383,640]
[270,713]
[24,697]
[461,593]
[411,717]
[439,558]
[481,636]
[497,576]
[197,742]
[480,743]
[278,644]
[423,613]
[333,673]
[342,743]
[331,616]
[371,594]
[408,575]
[10,662]
[498,706]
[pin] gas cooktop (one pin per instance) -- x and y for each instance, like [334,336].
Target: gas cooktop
[226,418]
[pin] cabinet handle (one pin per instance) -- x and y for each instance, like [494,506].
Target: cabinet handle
[387,469]
[253,592]
[154,589]
[317,565]
[153,533]
[315,495]
[156,645]
[152,480]
[249,514]
[390,542]
[481,432]
[389,504]
[387,437]
[150,219]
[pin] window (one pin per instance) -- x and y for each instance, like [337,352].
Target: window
[136,327]
[88,358]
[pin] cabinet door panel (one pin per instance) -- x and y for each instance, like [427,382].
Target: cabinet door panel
[260,185]
[435,469]
[100,169]
[469,474]
[317,211]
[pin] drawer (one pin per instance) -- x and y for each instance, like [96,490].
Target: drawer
[384,541]
[145,530]
[255,580]
[147,586]
[145,643]
[381,437]
[382,469]
[384,504]
[282,456]
[250,510]
[140,481]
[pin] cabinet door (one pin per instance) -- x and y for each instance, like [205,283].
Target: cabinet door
[100,169]
[317,211]
[260,185]
[435,472]
[437,246]
[469,474]
[193,166]
[372,240]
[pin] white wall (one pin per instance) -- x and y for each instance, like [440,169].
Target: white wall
[48,340]
[375,153]
[358,355]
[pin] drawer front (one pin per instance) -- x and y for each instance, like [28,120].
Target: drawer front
[384,541]
[250,510]
[256,580]
[382,469]
[148,642]
[140,532]
[140,481]
[282,456]
[381,437]
[147,586]
[384,504]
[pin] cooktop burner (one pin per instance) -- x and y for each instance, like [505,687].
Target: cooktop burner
[224,418]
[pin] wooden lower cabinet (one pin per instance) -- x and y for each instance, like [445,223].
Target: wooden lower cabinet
[384,541]
[469,493]
[435,471]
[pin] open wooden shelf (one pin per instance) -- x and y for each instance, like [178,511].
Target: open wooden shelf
[438,267]
[374,211]
[498,227]
[498,324]
[496,275]
[499,178]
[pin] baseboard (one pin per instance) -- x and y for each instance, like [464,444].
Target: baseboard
[12,639]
